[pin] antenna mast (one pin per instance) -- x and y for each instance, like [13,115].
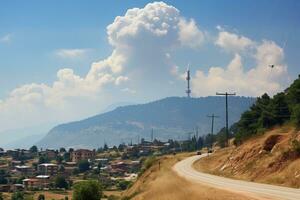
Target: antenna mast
[188,78]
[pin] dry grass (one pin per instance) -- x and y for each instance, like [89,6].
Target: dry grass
[252,163]
[53,195]
[164,184]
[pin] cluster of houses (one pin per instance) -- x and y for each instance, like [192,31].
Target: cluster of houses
[23,169]
[24,172]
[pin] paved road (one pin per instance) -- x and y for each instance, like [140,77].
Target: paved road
[184,168]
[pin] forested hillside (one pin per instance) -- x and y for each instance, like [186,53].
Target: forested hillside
[268,112]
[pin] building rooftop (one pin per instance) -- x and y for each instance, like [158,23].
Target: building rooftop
[47,164]
[22,167]
[42,177]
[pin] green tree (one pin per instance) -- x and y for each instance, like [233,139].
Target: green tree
[84,190]
[3,175]
[293,92]
[43,159]
[123,185]
[296,115]
[83,166]
[67,156]
[1,196]
[41,197]
[17,196]
[280,108]
[105,148]
[71,150]
[60,182]
[33,149]
[221,137]
[59,159]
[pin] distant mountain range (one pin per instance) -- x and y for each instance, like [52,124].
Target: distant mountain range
[170,118]
[23,137]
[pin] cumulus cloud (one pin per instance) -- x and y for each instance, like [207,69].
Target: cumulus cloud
[141,39]
[189,33]
[121,79]
[253,82]
[232,42]
[72,53]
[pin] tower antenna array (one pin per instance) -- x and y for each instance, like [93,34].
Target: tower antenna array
[188,78]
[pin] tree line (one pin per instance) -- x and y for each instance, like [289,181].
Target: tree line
[267,112]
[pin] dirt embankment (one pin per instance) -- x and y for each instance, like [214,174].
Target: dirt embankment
[164,184]
[269,158]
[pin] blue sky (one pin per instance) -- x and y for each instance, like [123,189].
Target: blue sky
[34,35]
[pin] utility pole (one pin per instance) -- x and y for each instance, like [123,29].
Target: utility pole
[226,94]
[213,116]
[152,135]
[197,137]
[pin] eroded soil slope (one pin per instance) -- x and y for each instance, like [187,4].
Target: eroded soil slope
[270,158]
[165,184]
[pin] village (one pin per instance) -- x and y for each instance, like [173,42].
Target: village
[33,170]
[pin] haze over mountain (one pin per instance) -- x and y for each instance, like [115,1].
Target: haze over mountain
[25,137]
[170,118]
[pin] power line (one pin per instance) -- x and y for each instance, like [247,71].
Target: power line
[226,94]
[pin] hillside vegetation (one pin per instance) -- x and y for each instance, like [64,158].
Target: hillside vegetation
[267,112]
[170,118]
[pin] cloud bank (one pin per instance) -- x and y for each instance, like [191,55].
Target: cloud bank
[140,38]
[255,81]
[143,40]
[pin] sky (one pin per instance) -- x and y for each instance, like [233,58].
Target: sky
[67,60]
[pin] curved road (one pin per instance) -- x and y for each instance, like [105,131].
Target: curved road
[185,169]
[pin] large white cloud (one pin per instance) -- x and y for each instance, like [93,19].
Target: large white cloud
[255,81]
[141,40]
[233,42]
[189,33]
[141,63]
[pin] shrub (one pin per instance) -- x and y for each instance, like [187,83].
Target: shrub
[41,197]
[84,190]
[296,115]
[112,197]
[83,165]
[17,196]
[296,146]
[61,182]
[147,163]
[123,185]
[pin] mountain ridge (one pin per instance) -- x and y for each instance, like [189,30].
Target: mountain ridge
[171,118]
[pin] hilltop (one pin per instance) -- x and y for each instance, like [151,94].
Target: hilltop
[170,118]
